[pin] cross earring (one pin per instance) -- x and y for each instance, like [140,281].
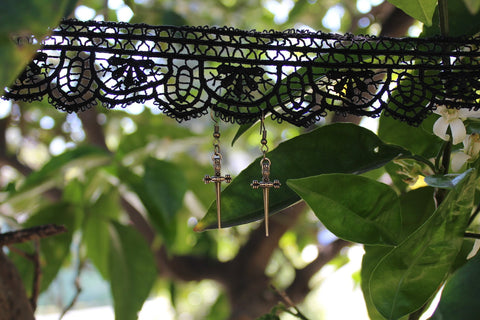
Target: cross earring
[217,178]
[265,183]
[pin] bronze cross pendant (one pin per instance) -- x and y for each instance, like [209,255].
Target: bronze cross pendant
[265,184]
[217,179]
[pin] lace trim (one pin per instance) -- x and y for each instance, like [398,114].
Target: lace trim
[297,76]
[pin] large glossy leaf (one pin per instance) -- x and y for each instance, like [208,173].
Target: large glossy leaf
[421,10]
[132,270]
[409,275]
[373,255]
[337,148]
[352,207]
[161,190]
[416,206]
[419,140]
[460,295]
[26,17]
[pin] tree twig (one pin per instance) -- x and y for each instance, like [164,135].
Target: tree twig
[37,274]
[443,16]
[471,235]
[29,234]
[78,287]
[289,302]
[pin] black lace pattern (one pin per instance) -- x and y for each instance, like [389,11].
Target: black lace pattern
[296,76]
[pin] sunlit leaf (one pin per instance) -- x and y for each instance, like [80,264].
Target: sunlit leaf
[337,148]
[472,5]
[26,17]
[408,276]
[87,156]
[132,271]
[352,207]
[421,10]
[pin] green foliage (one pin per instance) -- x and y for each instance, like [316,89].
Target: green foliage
[161,189]
[395,285]
[25,18]
[421,10]
[418,140]
[459,297]
[457,12]
[446,181]
[354,208]
[472,5]
[132,270]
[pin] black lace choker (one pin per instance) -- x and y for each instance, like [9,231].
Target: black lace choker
[296,76]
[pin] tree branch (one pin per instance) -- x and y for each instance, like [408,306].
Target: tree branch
[92,128]
[258,250]
[35,233]
[299,288]
[14,303]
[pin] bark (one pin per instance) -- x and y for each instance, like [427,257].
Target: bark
[14,303]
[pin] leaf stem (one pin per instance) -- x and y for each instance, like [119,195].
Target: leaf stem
[443,15]
[471,235]
[474,215]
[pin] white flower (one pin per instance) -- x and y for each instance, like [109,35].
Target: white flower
[469,153]
[452,118]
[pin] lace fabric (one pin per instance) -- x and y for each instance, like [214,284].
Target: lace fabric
[297,76]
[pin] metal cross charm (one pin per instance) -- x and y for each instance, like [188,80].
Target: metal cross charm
[217,178]
[265,184]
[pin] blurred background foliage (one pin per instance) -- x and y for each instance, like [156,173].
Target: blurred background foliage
[95,171]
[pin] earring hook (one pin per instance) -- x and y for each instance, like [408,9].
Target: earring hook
[211,116]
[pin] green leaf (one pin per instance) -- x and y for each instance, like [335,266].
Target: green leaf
[409,275]
[161,190]
[132,270]
[337,148]
[445,181]
[352,207]
[472,5]
[419,140]
[421,10]
[373,255]
[417,206]
[241,130]
[462,21]
[95,230]
[460,295]
[87,156]
[26,17]
[31,192]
